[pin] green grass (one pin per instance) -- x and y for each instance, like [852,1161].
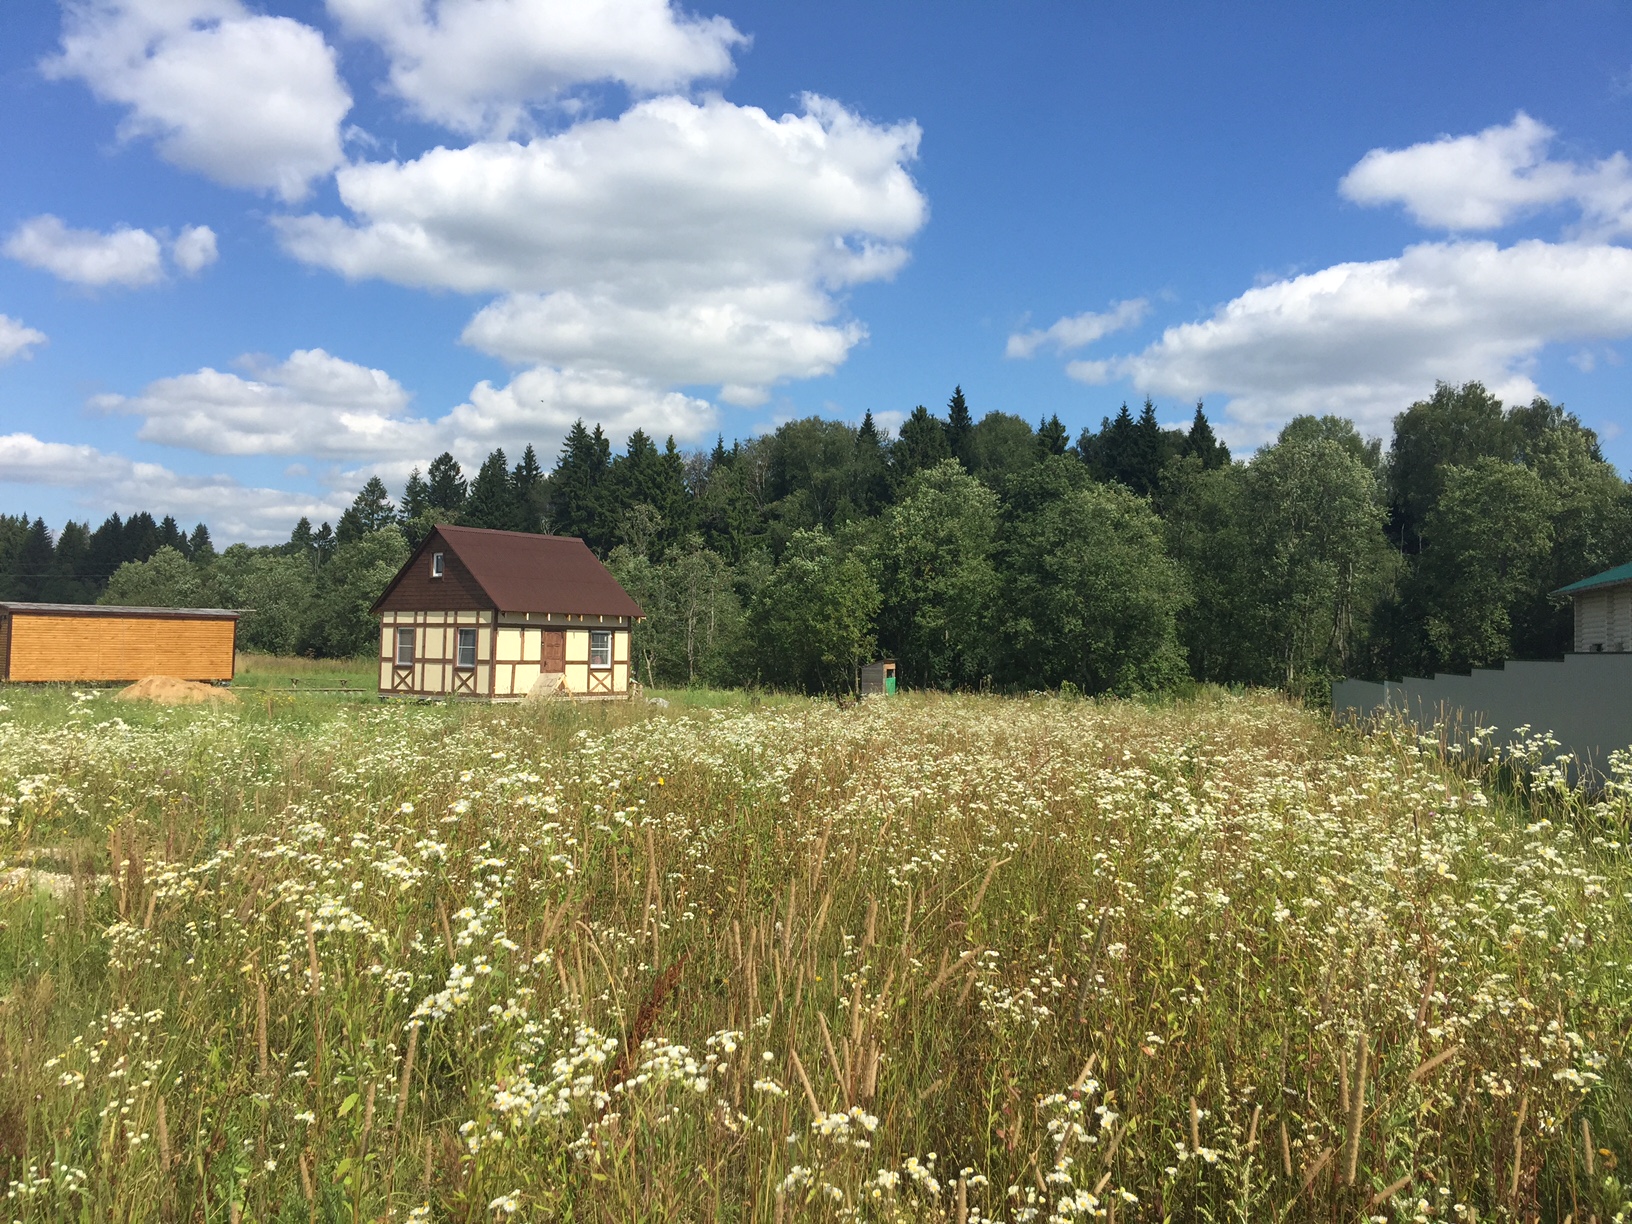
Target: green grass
[931,958]
[279,672]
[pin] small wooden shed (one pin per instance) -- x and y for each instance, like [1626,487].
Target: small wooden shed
[878,678]
[90,642]
[492,614]
[1603,611]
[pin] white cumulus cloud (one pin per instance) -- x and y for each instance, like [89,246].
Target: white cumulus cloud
[194,249]
[123,256]
[1488,179]
[248,100]
[233,510]
[312,404]
[1364,340]
[479,65]
[1076,331]
[129,257]
[319,406]
[681,242]
[540,405]
[16,338]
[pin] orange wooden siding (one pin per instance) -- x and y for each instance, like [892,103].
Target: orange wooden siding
[120,648]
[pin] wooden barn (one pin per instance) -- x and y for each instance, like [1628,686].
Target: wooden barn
[496,614]
[88,642]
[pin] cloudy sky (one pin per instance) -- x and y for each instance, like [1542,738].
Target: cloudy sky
[252,251]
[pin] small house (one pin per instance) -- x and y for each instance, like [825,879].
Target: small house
[1603,611]
[498,614]
[88,643]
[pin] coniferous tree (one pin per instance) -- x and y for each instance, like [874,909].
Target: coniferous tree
[200,548]
[1201,444]
[447,485]
[575,484]
[69,580]
[530,489]
[416,498]
[106,551]
[34,561]
[1052,437]
[170,535]
[959,425]
[300,540]
[921,443]
[141,538]
[323,543]
[491,502]
[369,512]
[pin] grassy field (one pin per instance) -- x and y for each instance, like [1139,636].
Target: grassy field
[946,959]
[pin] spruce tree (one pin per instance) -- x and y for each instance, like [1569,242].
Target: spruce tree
[69,581]
[416,498]
[1200,443]
[141,537]
[370,511]
[447,485]
[1052,437]
[575,484]
[530,490]
[491,502]
[959,425]
[199,545]
[920,444]
[34,561]
[170,535]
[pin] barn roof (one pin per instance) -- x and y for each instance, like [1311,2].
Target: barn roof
[524,572]
[16,606]
[1610,577]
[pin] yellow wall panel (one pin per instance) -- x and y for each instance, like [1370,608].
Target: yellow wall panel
[577,645]
[119,648]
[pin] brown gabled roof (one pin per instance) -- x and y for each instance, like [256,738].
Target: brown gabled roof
[523,572]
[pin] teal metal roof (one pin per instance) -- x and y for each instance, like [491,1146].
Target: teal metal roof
[1621,573]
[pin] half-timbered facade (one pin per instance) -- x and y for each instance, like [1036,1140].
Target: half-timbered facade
[500,614]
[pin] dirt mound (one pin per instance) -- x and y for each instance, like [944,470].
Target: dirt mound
[167,690]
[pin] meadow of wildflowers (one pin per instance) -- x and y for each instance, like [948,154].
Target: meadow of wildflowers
[946,959]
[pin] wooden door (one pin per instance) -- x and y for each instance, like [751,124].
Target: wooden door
[555,650]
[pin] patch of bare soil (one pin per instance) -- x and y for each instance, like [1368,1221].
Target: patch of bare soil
[167,690]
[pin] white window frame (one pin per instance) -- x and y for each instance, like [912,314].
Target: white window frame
[436,565]
[405,642]
[606,652]
[461,637]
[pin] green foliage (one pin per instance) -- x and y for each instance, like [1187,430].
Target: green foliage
[936,577]
[921,443]
[275,591]
[693,631]
[165,580]
[1000,447]
[338,623]
[1487,543]
[811,624]
[1089,596]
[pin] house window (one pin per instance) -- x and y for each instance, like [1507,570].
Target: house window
[405,647]
[600,648]
[436,565]
[467,648]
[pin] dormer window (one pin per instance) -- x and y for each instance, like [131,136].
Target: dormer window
[436,565]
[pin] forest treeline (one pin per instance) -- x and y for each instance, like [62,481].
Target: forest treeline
[978,554]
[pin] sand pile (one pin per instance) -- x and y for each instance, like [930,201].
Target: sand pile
[167,690]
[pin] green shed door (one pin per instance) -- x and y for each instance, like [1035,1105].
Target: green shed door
[889,684]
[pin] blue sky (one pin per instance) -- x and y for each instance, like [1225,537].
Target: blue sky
[252,251]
